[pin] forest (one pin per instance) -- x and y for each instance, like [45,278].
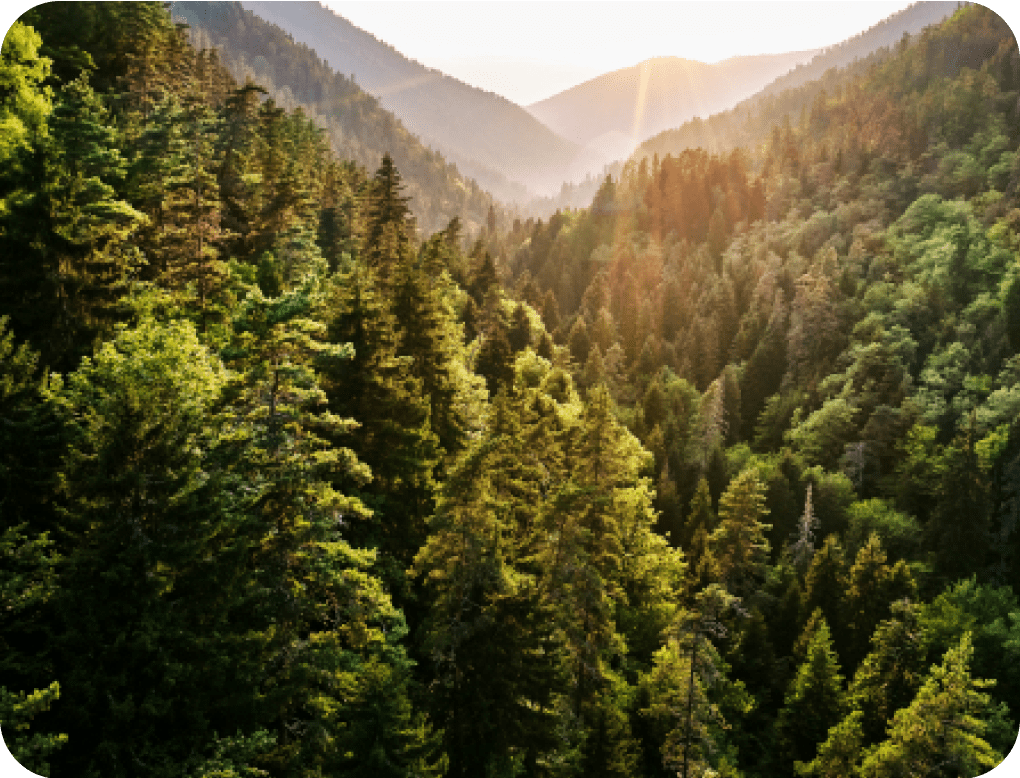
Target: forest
[715,477]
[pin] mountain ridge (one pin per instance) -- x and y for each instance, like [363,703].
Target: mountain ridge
[469,125]
[628,105]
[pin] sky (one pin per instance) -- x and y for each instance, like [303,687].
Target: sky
[527,51]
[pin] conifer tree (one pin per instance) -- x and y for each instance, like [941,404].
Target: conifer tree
[814,701]
[871,587]
[940,732]
[519,334]
[684,671]
[26,102]
[496,658]
[840,755]
[606,570]
[430,337]
[826,581]
[27,578]
[239,179]
[390,226]
[891,673]
[738,543]
[71,260]
[393,438]
[329,640]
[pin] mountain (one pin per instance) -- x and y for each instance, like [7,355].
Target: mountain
[747,122]
[486,135]
[615,111]
[886,33]
[358,127]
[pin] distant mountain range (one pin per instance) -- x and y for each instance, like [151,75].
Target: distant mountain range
[489,138]
[615,111]
[358,128]
[746,123]
[517,153]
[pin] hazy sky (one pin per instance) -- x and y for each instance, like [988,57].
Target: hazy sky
[527,51]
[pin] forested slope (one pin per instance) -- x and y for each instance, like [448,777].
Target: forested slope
[748,123]
[488,136]
[359,128]
[718,476]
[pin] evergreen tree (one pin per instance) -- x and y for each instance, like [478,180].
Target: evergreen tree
[430,337]
[872,587]
[26,102]
[390,226]
[495,360]
[376,387]
[327,642]
[71,261]
[826,581]
[685,669]
[890,674]
[496,657]
[519,334]
[940,732]
[738,543]
[27,578]
[814,701]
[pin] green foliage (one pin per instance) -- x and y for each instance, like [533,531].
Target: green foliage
[16,713]
[940,732]
[26,102]
[738,543]
[814,701]
[270,521]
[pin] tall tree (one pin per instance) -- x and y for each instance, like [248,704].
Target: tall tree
[940,732]
[685,669]
[490,632]
[814,701]
[738,543]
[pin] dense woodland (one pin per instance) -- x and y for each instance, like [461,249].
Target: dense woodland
[718,476]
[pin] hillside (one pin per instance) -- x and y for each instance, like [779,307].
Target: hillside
[615,111]
[747,123]
[486,135]
[358,127]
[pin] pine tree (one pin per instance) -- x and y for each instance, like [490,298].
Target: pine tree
[27,578]
[390,225]
[325,619]
[685,669]
[814,701]
[826,581]
[377,388]
[872,586]
[70,259]
[840,755]
[178,184]
[738,543]
[606,569]
[890,675]
[240,182]
[519,333]
[140,517]
[940,732]
[490,635]
[25,103]
[430,337]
